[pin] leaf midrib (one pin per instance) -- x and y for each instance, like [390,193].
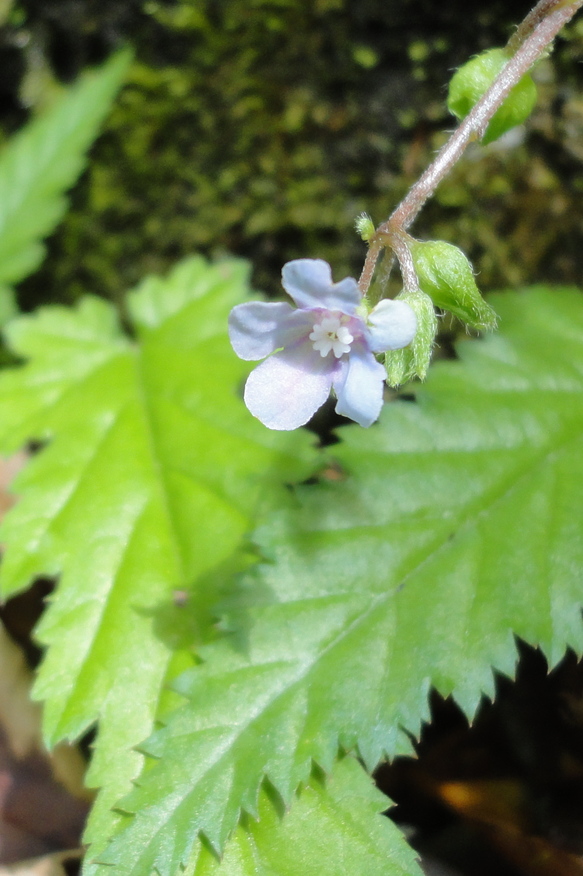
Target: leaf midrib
[307,665]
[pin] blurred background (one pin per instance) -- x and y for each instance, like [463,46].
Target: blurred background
[264,128]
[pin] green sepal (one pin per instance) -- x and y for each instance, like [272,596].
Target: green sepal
[446,275]
[413,361]
[472,80]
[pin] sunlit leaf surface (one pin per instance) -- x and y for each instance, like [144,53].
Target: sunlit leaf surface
[458,525]
[148,486]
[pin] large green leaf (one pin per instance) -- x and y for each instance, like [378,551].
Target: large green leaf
[43,160]
[152,476]
[457,525]
[332,828]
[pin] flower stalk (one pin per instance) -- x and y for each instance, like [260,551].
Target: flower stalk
[529,43]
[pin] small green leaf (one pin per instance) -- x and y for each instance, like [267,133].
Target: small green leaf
[411,572]
[413,361]
[445,274]
[43,160]
[472,80]
[149,483]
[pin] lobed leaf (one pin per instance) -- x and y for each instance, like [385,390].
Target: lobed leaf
[457,527]
[150,480]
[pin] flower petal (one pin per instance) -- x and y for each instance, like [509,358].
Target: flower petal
[309,282]
[285,390]
[359,387]
[392,325]
[258,328]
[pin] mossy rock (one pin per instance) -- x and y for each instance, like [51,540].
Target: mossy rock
[264,129]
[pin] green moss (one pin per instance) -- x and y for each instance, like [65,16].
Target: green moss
[264,128]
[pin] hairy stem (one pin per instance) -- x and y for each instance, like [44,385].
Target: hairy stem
[477,120]
[534,36]
[366,275]
[536,15]
[399,243]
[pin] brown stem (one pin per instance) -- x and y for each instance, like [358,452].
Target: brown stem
[476,122]
[399,243]
[540,11]
[369,266]
[541,32]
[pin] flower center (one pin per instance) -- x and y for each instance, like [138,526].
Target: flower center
[330,335]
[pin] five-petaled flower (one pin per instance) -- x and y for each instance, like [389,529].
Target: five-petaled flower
[326,343]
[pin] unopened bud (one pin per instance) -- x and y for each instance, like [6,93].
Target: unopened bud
[446,275]
[413,361]
[365,226]
[472,80]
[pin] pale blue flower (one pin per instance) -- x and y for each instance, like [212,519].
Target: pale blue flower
[326,343]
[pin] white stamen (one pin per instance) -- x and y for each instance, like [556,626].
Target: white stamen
[329,334]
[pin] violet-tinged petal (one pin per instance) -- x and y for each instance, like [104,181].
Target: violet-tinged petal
[289,387]
[392,325]
[359,387]
[258,328]
[309,282]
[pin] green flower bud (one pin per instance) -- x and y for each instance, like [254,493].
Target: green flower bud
[472,80]
[413,361]
[365,226]
[445,274]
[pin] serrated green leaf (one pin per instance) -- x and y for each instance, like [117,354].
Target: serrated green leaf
[457,526]
[43,160]
[151,478]
[332,828]
[473,79]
